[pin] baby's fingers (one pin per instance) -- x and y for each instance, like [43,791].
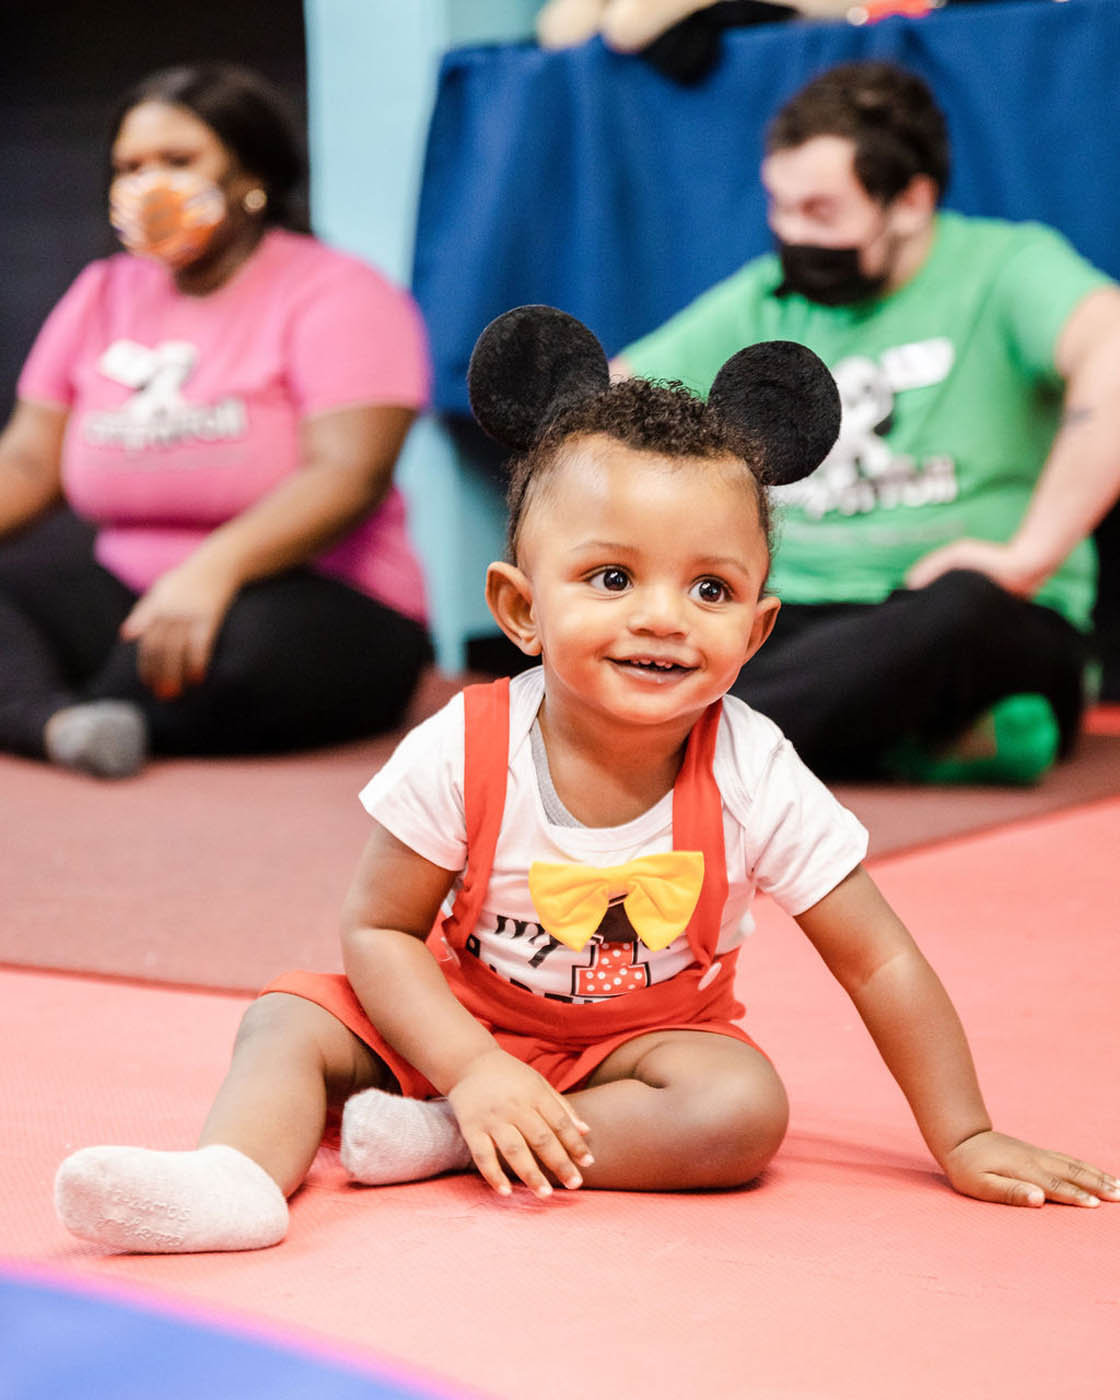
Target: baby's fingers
[486,1160]
[572,1132]
[557,1143]
[1065,1181]
[525,1150]
[512,1146]
[1005,1190]
[1078,1182]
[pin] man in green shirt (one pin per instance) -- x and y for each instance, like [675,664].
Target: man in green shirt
[936,568]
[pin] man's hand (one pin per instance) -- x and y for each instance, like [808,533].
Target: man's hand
[993,1167]
[176,624]
[505,1107]
[1000,562]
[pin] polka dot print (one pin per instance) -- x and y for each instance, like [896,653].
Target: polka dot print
[612,972]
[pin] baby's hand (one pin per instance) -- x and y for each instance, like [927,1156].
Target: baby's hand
[993,1167]
[505,1107]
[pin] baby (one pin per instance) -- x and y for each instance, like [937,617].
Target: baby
[540,941]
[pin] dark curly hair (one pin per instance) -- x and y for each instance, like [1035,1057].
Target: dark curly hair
[661,417]
[889,113]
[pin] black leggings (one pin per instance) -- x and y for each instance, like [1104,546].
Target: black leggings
[847,682]
[301,660]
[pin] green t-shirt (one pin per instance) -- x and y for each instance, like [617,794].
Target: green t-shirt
[950,395]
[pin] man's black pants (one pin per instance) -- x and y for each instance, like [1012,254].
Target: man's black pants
[847,682]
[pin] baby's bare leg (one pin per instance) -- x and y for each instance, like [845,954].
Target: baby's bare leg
[675,1110]
[291,1060]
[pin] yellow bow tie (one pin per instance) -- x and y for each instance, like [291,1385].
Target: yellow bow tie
[661,893]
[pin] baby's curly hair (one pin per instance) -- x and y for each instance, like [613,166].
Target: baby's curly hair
[650,416]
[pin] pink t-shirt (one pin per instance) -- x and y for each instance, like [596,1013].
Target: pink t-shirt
[184,411]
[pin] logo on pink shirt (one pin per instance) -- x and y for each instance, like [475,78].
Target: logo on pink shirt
[157,414]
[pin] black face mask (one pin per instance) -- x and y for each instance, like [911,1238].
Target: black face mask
[830,276]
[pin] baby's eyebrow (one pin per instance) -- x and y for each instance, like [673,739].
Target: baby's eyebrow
[723,561]
[713,562]
[607,546]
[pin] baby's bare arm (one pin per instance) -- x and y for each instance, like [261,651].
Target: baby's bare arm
[502,1105]
[390,908]
[920,1037]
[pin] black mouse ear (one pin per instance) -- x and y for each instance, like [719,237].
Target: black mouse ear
[526,366]
[783,398]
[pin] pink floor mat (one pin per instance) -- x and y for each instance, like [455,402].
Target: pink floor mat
[850,1271]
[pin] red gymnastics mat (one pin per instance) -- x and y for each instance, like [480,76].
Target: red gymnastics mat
[851,1270]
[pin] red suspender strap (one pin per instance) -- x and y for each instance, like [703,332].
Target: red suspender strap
[698,826]
[697,815]
[485,770]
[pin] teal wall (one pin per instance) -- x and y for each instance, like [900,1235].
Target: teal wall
[371,76]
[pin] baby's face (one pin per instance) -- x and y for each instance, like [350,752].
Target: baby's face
[646,574]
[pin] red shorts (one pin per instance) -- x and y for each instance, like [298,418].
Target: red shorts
[564,1066]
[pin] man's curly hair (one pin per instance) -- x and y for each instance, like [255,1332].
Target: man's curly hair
[665,418]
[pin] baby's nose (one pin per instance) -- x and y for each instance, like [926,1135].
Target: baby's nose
[657,609]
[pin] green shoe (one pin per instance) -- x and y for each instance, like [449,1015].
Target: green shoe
[1015,742]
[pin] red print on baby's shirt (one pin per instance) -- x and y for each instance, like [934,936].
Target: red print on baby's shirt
[612,971]
[613,968]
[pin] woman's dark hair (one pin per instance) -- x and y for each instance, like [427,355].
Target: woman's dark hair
[248,115]
[889,113]
[665,418]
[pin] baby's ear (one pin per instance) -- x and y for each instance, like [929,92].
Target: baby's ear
[526,366]
[509,596]
[784,400]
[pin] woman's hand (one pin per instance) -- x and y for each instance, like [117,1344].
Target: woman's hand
[176,624]
[993,1167]
[505,1107]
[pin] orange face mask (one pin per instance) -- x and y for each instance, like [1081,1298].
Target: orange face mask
[170,215]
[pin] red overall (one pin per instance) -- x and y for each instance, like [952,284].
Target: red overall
[563,1041]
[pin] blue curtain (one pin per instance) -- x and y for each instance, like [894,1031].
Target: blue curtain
[586,180]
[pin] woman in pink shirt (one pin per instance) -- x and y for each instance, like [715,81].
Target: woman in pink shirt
[226,402]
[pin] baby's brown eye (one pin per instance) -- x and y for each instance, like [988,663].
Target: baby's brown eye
[613,580]
[710,590]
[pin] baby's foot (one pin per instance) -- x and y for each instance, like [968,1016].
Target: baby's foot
[133,1198]
[387,1138]
[108,738]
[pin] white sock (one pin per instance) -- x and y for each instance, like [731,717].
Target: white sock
[387,1138]
[108,738]
[148,1202]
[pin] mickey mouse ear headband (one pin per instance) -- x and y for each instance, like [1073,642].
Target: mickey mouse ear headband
[533,362]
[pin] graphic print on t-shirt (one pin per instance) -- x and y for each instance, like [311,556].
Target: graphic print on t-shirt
[613,961]
[157,414]
[863,473]
[613,965]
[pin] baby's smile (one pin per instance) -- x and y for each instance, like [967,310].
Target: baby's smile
[652,668]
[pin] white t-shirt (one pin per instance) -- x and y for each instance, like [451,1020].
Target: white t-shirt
[784,833]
